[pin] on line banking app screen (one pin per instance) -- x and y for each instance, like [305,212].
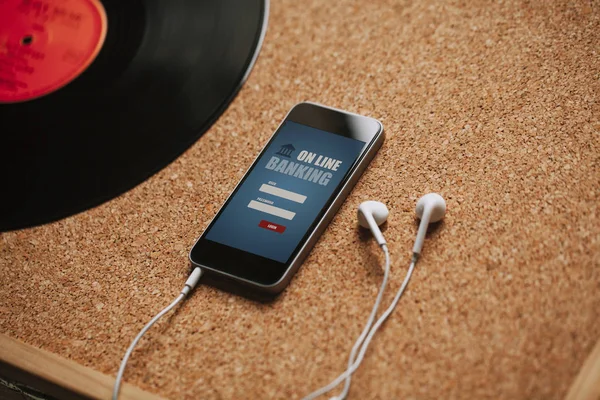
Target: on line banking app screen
[280,199]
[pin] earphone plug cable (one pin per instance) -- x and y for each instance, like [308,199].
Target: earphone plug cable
[192,281]
[190,284]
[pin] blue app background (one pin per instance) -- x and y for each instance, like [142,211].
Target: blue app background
[238,225]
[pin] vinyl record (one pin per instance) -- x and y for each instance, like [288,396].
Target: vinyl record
[95,97]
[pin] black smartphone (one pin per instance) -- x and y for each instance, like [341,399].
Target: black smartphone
[276,213]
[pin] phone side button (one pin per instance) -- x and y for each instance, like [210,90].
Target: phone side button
[272,226]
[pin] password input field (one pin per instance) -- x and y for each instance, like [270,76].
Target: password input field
[284,194]
[269,209]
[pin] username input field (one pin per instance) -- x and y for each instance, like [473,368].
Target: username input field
[284,194]
[269,209]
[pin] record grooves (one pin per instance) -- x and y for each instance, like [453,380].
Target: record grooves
[164,73]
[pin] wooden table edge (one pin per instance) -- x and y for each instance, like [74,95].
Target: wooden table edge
[586,385]
[88,383]
[20,361]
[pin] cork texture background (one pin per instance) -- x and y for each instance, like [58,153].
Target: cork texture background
[493,104]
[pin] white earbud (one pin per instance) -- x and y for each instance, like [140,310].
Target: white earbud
[372,214]
[430,208]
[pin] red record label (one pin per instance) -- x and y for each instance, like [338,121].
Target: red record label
[45,44]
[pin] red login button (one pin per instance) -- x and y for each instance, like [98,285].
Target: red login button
[272,226]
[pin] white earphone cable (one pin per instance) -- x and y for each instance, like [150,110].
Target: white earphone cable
[364,333]
[365,345]
[189,285]
[430,208]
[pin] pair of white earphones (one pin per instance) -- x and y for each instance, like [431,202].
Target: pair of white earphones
[371,215]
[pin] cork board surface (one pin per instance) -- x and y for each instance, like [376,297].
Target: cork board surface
[495,105]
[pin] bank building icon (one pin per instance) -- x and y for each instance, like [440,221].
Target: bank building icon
[286,150]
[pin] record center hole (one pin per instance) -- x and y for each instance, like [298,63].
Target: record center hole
[27,40]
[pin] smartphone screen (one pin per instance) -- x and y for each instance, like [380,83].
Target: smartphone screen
[285,191]
[258,233]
